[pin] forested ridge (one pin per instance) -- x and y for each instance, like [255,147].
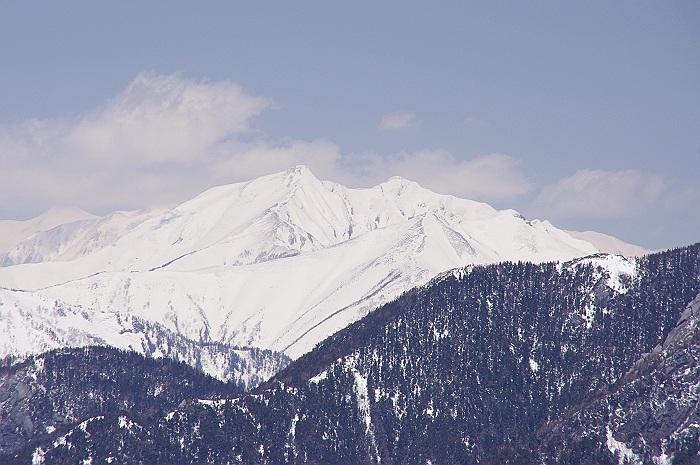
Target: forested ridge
[56,390]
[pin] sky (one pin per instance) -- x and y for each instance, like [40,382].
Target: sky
[583,113]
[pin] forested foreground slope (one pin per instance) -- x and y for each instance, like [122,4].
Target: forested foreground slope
[57,390]
[515,362]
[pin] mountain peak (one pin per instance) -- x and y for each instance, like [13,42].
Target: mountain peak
[397,186]
[300,172]
[61,215]
[269,262]
[609,244]
[13,232]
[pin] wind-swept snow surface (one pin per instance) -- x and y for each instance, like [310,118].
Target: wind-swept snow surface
[283,261]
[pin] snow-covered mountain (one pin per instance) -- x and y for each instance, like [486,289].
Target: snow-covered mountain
[74,239]
[280,262]
[13,232]
[609,244]
[32,324]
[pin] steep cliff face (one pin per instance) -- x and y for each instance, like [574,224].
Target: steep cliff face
[514,362]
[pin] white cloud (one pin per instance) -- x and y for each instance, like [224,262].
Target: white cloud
[166,139]
[397,121]
[599,194]
[164,118]
[160,133]
[492,177]
[247,161]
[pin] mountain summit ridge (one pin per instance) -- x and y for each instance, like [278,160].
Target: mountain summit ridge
[283,261]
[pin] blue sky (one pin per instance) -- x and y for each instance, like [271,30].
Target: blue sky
[586,113]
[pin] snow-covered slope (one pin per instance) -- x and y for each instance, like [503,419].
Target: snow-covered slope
[75,239]
[285,260]
[13,232]
[32,324]
[610,244]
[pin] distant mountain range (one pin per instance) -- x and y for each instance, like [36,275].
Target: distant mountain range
[279,263]
[64,234]
[13,233]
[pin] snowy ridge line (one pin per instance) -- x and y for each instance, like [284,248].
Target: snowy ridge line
[65,234]
[620,269]
[36,326]
[268,263]
[54,285]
